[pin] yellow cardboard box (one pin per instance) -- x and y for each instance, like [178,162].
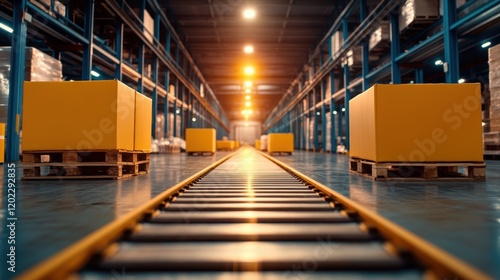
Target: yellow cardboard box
[257,144]
[280,142]
[143,118]
[79,115]
[225,145]
[417,123]
[200,140]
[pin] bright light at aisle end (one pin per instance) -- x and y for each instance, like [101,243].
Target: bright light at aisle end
[249,70]
[439,62]
[95,74]
[248,97]
[249,13]
[248,49]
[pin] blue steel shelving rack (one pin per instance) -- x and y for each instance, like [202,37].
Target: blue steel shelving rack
[179,68]
[289,116]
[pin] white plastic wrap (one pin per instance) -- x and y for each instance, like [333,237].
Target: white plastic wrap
[38,67]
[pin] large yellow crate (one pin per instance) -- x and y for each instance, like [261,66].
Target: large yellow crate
[200,140]
[143,118]
[417,123]
[79,115]
[257,144]
[280,143]
[2,142]
[225,145]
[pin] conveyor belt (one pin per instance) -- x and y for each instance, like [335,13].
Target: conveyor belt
[251,217]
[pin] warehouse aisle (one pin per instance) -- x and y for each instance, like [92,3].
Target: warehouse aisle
[462,218]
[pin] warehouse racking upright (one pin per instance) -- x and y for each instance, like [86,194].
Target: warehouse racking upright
[132,41]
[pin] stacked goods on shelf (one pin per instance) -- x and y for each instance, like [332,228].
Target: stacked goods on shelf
[494,61]
[38,67]
[88,129]
[337,43]
[59,8]
[414,12]
[428,129]
[492,139]
[380,38]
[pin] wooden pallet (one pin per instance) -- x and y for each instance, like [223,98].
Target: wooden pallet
[96,164]
[200,153]
[280,153]
[405,171]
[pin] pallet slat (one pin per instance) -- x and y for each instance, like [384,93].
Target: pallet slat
[440,171]
[96,164]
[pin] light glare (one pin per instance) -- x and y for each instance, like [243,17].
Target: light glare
[485,45]
[249,13]
[6,28]
[248,49]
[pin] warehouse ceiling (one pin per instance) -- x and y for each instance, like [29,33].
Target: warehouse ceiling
[282,33]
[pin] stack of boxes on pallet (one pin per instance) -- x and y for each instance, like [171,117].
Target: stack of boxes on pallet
[200,141]
[424,131]
[280,143]
[85,129]
[492,139]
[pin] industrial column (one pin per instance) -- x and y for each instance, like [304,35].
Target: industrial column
[17,61]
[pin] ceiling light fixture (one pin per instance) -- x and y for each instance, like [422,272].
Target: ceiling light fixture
[248,104]
[249,13]
[461,80]
[249,70]
[6,28]
[485,45]
[95,74]
[248,90]
[247,97]
[248,49]
[248,84]
[439,62]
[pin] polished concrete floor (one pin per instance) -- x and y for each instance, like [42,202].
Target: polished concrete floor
[462,218]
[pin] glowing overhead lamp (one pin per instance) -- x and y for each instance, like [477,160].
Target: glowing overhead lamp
[249,13]
[194,119]
[461,80]
[248,83]
[249,70]
[248,49]
[248,90]
[247,112]
[95,74]
[439,62]
[485,45]
[248,97]
[248,104]
[6,28]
